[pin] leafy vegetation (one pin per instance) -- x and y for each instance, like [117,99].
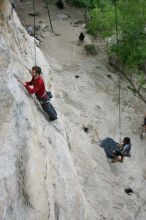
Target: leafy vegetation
[101,21]
[91,3]
[91,49]
[131,31]
[83,3]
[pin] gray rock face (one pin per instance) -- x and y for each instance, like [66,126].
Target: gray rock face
[37,176]
[52,170]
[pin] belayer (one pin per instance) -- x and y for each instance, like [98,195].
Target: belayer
[37,86]
[116,151]
[124,150]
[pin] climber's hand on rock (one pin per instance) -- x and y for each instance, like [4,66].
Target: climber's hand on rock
[23,84]
[19,80]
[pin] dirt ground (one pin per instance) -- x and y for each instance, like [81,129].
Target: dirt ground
[63,44]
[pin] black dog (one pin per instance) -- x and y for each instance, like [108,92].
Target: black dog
[60,4]
[81,36]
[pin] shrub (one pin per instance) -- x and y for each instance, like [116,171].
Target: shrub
[91,49]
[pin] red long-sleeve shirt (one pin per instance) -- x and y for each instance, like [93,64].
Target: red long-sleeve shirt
[38,86]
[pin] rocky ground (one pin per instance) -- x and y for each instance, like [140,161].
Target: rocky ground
[91,101]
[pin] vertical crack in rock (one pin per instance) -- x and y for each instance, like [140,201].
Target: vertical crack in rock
[22,124]
[46,179]
[21,174]
[56,207]
[22,160]
[47,194]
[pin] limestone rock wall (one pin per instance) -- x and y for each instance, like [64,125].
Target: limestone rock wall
[37,176]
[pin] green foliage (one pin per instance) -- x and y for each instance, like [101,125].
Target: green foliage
[131,21]
[101,21]
[90,4]
[91,49]
[131,30]
[46,1]
[142,81]
[83,3]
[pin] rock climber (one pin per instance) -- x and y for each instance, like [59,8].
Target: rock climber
[37,83]
[29,30]
[13,5]
[32,34]
[37,86]
[124,150]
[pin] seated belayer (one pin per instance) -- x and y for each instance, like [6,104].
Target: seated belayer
[37,86]
[124,150]
[116,151]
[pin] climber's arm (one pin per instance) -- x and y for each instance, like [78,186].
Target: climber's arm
[29,83]
[33,90]
[27,86]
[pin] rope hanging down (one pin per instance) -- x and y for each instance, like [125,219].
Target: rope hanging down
[119,76]
[34,28]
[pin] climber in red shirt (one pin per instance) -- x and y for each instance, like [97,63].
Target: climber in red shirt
[37,86]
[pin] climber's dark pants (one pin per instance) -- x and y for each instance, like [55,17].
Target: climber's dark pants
[47,107]
[44,102]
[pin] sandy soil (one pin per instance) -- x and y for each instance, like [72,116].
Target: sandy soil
[63,44]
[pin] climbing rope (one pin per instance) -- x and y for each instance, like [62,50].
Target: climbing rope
[34,28]
[119,75]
